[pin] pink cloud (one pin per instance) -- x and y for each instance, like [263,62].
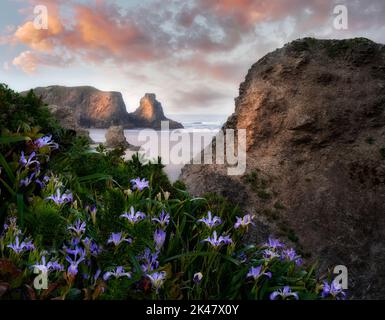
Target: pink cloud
[183,35]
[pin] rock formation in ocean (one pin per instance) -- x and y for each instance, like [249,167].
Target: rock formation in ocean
[314,112]
[115,138]
[93,108]
[150,113]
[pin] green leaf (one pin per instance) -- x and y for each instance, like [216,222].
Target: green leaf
[10,139]
[94,177]
[7,168]
[20,207]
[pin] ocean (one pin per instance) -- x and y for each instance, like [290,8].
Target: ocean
[196,135]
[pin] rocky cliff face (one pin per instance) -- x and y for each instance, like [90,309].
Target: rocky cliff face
[314,112]
[150,113]
[93,108]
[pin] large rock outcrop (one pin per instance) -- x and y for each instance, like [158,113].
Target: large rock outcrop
[150,113]
[115,138]
[93,108]
[314,112]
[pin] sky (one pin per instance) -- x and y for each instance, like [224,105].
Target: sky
[192,54]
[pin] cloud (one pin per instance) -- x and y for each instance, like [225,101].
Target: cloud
[6,66]
[198,98]
[29,61]
[102,31]
[166,44]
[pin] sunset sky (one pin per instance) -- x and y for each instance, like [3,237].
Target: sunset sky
[192,54]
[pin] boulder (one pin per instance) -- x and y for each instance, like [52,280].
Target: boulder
[115,138]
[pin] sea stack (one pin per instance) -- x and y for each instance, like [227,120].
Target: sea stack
[150,113]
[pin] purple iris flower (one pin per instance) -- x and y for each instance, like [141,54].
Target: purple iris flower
[94,249]
[93,211]
[18,247]
[274,243]
[291,255]
[216,241]
[28,162]
[256,273]
[78,257]
[150,260]
[40,183]
[197,278]
[118,238]
[91,246]
[118,273]
[27,181]
[334,290]
[163,219]
[76,251]
[61,198]
[242,257]
[284,293]
[28,245]
[139,184]
[133,217]
[46,141]
[54,265]
[157,279]
[159,238]
[12,225]
[269,254]
[75,241]
[51,265]
[78,227]
[244,221]
[211,221]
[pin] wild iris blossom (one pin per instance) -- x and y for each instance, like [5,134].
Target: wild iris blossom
[334,290]
[211,221]
[46,141]
[27,181]
[60,198]
[159,238]
[256,273]
[244,221]
[157,279]
[78,257]
[284,293]
[149,259]
[197,277]
[163,220]
[41,183]
[18,247]
[216,241]
[93,211]
[118,273]
[291,255]
[139,184]
[44,266]
[118,238]
[28,162]
[133,217]
[91,246]
[274,243]
[78,227]
[270,254]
